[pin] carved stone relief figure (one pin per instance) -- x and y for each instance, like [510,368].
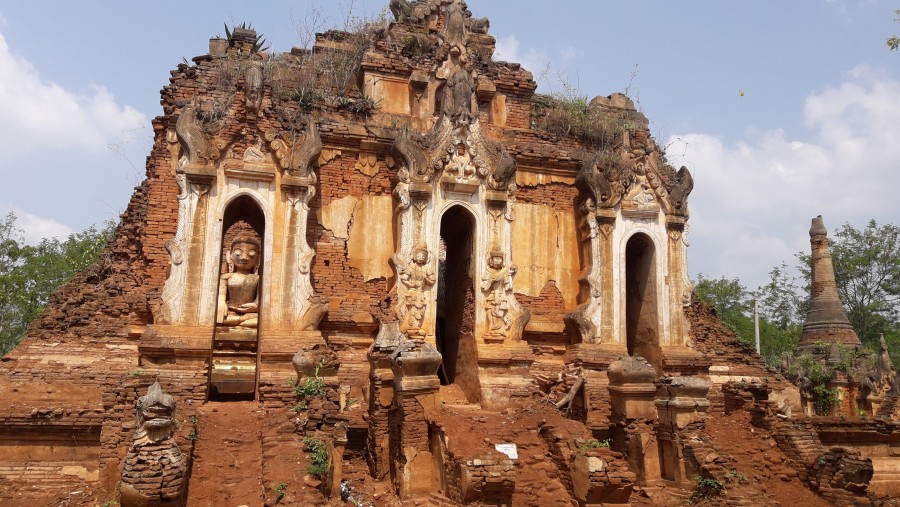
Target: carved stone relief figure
[154,469]
[238,289]
[459,90]
[455,24]
[417,276]
[253,90]
[496,284]
[460,165]
[308,309]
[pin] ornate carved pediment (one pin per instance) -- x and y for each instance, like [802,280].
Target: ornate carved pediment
[414,151]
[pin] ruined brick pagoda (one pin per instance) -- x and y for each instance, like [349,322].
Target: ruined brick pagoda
[390,281]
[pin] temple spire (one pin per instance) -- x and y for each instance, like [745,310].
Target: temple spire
[826,319]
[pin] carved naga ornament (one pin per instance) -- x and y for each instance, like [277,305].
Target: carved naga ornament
[604,180]
[198,146]
[681,189]
[154,470]
[296,155]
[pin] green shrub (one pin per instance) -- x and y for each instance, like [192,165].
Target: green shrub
[318,449]
[707,487]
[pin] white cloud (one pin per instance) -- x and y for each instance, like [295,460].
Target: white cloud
[568,53]
[36,227]
[535,60]
[753,200]
[39,114]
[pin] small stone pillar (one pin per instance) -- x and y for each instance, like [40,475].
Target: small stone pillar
[682,403]
[631,389]
[685,402]
[338,444]
[154,470]
[381,397]
[632,394]
[415,364]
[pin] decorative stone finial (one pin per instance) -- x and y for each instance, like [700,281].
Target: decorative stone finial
[826,319]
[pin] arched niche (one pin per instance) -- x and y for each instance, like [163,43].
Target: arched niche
[643,313]
[235,347]
[456,314]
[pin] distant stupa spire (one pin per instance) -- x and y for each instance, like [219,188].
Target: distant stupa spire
[826,319]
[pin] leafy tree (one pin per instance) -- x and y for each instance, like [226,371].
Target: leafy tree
[731,301]
[30,274]
[780,300]
[781,310]
[894,41]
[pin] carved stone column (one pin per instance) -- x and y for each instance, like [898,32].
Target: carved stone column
[632,394]
[414,364]
[679,285]
[381,397]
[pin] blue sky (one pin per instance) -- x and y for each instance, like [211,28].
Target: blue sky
[816,131]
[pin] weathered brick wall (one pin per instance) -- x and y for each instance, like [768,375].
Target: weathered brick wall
[841,476]
[488,477]
[715,340]
[548,306]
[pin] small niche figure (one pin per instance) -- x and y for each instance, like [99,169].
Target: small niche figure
[495,284]
[417,276]
[238,289]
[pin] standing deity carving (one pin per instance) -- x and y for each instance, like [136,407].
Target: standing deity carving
[239,288]
[458,90]
[497,285]
[417,276]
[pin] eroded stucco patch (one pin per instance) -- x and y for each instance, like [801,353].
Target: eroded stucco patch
[336,215]
[371,242]
[365,222]
[545,248]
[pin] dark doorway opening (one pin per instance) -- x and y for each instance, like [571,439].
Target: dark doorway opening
[455,327]
[234,353]
[641,305]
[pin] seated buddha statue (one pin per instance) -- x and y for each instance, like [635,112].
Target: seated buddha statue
[238,289]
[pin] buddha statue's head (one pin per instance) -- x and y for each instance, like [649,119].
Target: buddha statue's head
[244,253]
[156,414]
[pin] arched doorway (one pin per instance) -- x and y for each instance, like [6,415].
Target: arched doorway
[455,323]
[641,301]
[235,347]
